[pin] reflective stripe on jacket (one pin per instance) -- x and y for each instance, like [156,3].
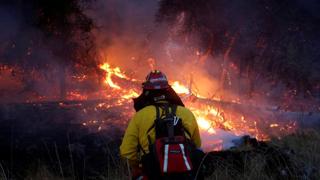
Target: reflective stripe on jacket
[136,133]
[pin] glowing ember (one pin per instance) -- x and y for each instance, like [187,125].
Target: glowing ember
[80,78]
[74,95]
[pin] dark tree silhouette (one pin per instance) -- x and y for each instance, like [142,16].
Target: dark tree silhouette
[275,40]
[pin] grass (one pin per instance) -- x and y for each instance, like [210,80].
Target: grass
[303,146]
[306,147]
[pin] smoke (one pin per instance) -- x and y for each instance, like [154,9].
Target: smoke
[128,35]
[17,48]
[264,47]
[190,41]
[195,47]
[123,29]
[9,24]
[35,58]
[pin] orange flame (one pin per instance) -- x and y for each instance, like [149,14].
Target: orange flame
[205,125]
[210,119]
[110,72]
[179,88]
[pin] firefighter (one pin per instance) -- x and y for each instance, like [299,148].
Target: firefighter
[140,135]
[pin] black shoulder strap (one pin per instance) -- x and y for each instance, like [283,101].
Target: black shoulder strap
[157,112]
[140,148]
[174,109]
[165,111]
[170,125]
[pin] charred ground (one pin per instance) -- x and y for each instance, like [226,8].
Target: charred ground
[45,140]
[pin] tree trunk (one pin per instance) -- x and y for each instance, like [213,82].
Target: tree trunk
[62,83]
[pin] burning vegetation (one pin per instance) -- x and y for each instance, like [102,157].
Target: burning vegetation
[225,98]
[210,112]
[248,68]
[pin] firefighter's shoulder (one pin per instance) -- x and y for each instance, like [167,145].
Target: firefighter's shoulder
[144,114]
[184,113]
[146,110]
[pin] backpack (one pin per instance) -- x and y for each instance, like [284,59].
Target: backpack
[171,149]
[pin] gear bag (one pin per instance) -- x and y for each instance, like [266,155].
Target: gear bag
[171,149]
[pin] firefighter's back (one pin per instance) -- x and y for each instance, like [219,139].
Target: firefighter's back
[145,119]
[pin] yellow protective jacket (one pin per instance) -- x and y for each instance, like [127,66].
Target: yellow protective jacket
[136,132]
